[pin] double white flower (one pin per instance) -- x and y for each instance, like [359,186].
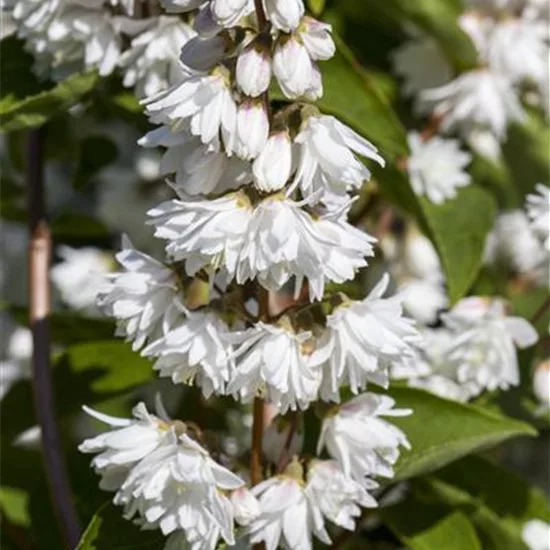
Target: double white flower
[165,477]
[361,341]
[360,439]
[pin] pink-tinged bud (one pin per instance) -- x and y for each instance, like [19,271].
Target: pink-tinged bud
[273,165]
[254,69]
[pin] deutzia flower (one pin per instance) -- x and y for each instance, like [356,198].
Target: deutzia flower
[479,98]
[538,210]
[16,358]
[277,361]
[246,507]
[338,496]
[536,534]
[253,70]
[228,12]
[484,346]
[358,437]
[194,351]
[271,176]
[296,73]
[512,243]
[141,298]
[422,65]
[436,167]
[424,299]
[151,63]
[129,441]
[205,102]
[198,168]
[81,275]
[326,155]
[181,6]
[252,129]
[285,15]
[363,338]
[288,517]
[527,58]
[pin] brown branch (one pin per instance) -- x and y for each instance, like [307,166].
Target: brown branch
[40,246]
[260,14]
[257,437]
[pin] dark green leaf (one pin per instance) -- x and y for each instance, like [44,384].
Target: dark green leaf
[423,526]
[108,530]
[455,430]
[458,227]
[70,227]
[33,111]
[95,153]
[436,18]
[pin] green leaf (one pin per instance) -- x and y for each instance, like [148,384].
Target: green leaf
[351,96]
[75,227]
[457,228]
[33,111]
[423,526]
[117,366]
[14,503]
[442,431]
[95,153]
[109,530]
[506,494]
[436,18]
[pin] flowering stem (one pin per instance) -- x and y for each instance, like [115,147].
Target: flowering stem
[260,14]
[40,246]
[257,436]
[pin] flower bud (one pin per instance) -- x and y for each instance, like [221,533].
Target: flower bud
[273,165]
[246,507]
[254,69]
[285,15]
[228,12]
[317,39]
[293,67]
[252,128]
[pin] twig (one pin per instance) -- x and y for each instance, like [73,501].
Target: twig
[257,437]
[260,14]
[40,246]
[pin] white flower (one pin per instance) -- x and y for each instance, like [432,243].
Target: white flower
[194,351]
[479,98]
[283,437]
[228,12]
[253,70]
[327,156]
[81,274]
[252,129]
[513,244]
[362,339]
[141,298]
[275,360]
[518,48]
[424,299]
[294,69]
[436,167]
[288,518]
[484,344]
[151,62]
[203,102]
[338,496]
[129,441]
[273,166]
[316,38]
[541,382]
[285,15]
[181,6]
[198,168]
[271,242]
[16,358]
[357,436]
[538,210]
[202,53]
[246,507]
[536,534]
[419,257]
[204,232]
[422,65]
